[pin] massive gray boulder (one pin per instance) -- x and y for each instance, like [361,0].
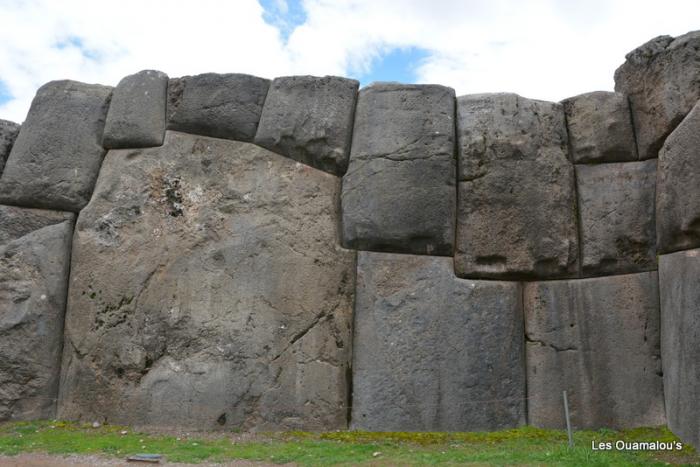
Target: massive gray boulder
[678,190]
[399,191]
[57,155]
[433,352]
[208,290]
[8,134]
[310,120]
[34,263]
[600,127]
[662,79]
[219,105]
[136,116]
[516,216]
[680,342]
[598,339]
[616,209]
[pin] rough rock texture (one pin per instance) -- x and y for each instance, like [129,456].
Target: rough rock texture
[680,342]
[399,191]
[598,339]
[219,105]
[433,352]
[616,209]
[34,262]
[678,190]
[136,116]
[57,155]
[662,79]
[600,127]
[208,290]
[8,134]
[310,119]
[516,216]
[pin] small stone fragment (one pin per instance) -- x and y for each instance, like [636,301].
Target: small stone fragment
[136,116]
[220,105]
[57,155]
[8,134]
[616,209]
[600,127]
[399,191]
[310,119]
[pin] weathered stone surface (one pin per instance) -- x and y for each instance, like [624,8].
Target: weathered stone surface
[399,191]
[57,155]
[219,105]
[8,134]
[208,290]
[616,209]
[598,339]
[662,79]
[310,119]
[678,190]
[516,216]
[433,352]
[34,263]
[600,127]
[136,116]
[680,342]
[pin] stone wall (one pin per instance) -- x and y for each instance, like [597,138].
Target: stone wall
[223,250]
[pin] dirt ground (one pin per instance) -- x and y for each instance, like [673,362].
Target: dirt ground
[46,460]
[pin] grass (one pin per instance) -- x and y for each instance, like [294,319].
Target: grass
[522,446]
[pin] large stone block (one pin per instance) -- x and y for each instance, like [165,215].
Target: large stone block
[219,105]
[310,120]
[678,190]
[208,290]
[616,209]
[57,155]
[434,352]
[8,134]
[136,116]
[598,339]
[399,191]
[679,284]
[34,263]
[516,216]
[662,79]
[600,127]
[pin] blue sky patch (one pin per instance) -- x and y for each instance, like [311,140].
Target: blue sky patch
[285,15]
[77,43]
[398,64]
[5,95]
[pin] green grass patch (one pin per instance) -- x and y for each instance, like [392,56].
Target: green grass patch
[522,446]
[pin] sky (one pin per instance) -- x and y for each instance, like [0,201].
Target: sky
[543,49]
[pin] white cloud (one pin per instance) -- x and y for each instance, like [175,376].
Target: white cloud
[547,49]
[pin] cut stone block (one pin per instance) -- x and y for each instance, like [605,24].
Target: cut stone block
[34,263]
[219,105]
[310,120]
[680,342]
[598,339]
[136,116]
[399,191]
[516,217]
[616,208]
[662,79]
[57,155]
[433,352]
[208,290]
[8,134]
[600,127]
[678,190]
